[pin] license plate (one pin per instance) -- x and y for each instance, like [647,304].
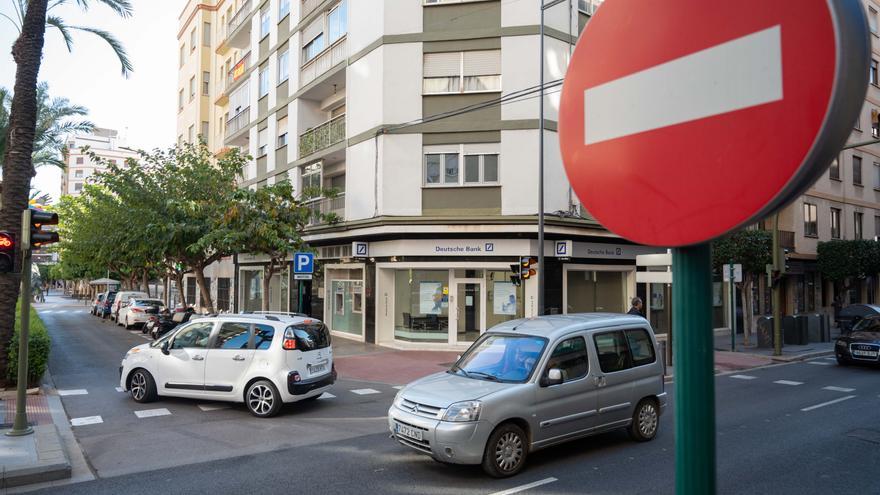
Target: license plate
[408,431]
[870,354]
[318,368]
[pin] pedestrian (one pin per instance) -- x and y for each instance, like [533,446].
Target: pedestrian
[636,308]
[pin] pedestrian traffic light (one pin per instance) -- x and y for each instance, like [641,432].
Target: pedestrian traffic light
[7,252]
[40,237]
[525,266]
[515,278]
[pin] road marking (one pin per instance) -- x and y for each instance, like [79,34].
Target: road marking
[88,420]
[788,382]
[120,389]
[523,488]
[146,337]
[213,407]
[839,389]
[820,363]
[365,391]
[47,311]
[61,311]
[835,401]
[744,377]
[738,74]
[399,387]
[831,358]
[149,413]
[78,391]
[326,395]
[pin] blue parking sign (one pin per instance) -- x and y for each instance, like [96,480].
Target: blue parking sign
[303,263]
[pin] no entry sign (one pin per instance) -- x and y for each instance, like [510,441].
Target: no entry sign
[681,121]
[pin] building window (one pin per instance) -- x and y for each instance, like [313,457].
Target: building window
[811,227]
[873,72]
[462,72]
[180,100]
[190,133]
[265,18]
[858,125]
[223,291]
[480,169]
[313,47]
[206,83]
[182,54]
[872,19]
[78,174]
[857,170]
[421,308]
[858,217]
[876,226]
[192,88]
[192,40]
[337,22]
[264,81]
[206,34]
[835,223]
[311,178]
[79,160]
[834,170]
[262,137]
[77,187]
[282,132]
[204,131]
[180,140]
[283,66]
[876,175]
[283,9]
[445,168]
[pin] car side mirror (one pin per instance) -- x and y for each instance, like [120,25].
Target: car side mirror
[165,346]
[554,377]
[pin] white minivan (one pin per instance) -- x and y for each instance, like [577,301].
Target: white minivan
[262,360]
[122,297]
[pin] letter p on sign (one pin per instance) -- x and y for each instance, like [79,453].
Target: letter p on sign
[303,263]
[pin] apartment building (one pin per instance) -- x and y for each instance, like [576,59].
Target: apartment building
[423,116]
[105,143]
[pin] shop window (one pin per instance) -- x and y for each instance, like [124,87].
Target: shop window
[421,305]
[596,291]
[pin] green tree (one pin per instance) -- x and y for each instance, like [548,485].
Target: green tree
[753,249]
[841,261]
[18,169]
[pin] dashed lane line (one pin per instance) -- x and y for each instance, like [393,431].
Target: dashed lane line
[365,391]
[788,382]
[150,413]
[77,391]
[743,377]
[835,401]
[819,363]
[88,420]
[529,486]
[839,389]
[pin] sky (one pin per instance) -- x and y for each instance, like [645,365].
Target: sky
[140,107]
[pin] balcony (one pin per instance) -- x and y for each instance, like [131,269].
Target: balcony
[238,70]
[326,206]
[237,123]
[237,28]
[324,61]
[322,136]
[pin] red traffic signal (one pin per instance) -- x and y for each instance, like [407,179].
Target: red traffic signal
[7,252]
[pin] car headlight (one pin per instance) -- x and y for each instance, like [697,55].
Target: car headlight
[463,411]
[398,399]
[841,344]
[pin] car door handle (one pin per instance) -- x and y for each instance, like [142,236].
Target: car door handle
[599,381]
[198,358]
[238,357]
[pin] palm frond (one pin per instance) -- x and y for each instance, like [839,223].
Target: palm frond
[122,8]
[58,23]
[10,19]
[117,47]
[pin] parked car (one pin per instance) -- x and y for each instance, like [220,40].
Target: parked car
[852,314]
[123,297]
[98,303]
[531,383]
[104,310]
[137,311]
[261,360]
[861,345]
[167,321]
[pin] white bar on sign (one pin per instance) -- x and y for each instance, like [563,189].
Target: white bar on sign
[738,74]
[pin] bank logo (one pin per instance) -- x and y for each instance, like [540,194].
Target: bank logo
[360,248]
[561,248]
[490,247]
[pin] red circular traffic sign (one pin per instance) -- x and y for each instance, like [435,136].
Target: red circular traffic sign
[682,121]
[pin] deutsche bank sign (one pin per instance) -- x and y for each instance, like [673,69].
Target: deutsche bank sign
[303,263]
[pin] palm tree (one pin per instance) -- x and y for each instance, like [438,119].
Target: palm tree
[18,170]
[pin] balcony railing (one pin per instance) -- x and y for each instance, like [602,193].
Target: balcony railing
[238,69]
[238,122]
[326,206]
[322,136]
[239,17]
[324,61]
[308,6]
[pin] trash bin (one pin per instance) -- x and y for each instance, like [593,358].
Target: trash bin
[765,331]
[814,328]
[794,330]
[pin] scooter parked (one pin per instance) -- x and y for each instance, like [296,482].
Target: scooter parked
[167,321]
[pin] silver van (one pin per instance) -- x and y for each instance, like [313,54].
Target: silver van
[532,383]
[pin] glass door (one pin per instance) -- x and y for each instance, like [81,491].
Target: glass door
[470,312]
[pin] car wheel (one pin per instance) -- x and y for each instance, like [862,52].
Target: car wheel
[506,451]
[142,386]
[262,399]
[645,420]
[842,361]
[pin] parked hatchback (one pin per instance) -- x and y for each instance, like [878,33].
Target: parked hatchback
[531,383]
[122,297]
[137,311]
[261,360]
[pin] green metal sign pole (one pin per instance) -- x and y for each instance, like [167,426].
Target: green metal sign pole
[732,308]
[693,370]
[20,425]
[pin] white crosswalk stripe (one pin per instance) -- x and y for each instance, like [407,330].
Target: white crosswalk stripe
[149,413]
[744,377]
[838,389]
[788,382]
[77,391]
[835,401]
[365,391]
[88,420]
[820,363]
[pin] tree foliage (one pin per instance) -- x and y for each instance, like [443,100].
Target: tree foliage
[751,248]
[840,259]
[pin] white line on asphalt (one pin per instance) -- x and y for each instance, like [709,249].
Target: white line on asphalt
[399,387]
[88,420]
[61,311]
[149,413]
[523,488]
[146,337]
[47,311]
[365,391]
[213,407]
[120,389]
[326,395]
[78,391]
[839,389]
[831,358]
[820,363]
[744,377]
[788,382]
[835,401]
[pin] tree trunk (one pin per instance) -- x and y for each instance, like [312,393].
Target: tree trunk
[18,168]
[145,281]
[165,288]
[268,272]
[207,302]
[178,280]
[746,301]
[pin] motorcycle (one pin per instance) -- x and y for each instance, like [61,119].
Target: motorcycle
[167,321]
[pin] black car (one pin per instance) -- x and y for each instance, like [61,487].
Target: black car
[104,311]
[852,314]
[861,344]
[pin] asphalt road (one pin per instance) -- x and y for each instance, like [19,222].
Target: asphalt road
[781,430]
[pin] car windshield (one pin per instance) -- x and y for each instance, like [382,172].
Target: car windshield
[871,324]
[502,358]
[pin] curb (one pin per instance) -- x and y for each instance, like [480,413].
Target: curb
[53,462]
[801,357]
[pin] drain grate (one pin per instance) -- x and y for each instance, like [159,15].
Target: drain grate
[872,436]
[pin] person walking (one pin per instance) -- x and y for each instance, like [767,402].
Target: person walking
[636,308]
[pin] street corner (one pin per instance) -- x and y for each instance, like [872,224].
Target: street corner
[394,366]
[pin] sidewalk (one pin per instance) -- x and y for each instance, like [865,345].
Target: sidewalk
[789,352]
[35,458]
[373,363]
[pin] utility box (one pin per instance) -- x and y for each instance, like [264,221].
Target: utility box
[795,330]
[814,328]
[765,332]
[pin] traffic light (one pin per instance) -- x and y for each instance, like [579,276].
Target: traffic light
[40,237]
[7,252]
[515,278]
[525,266]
